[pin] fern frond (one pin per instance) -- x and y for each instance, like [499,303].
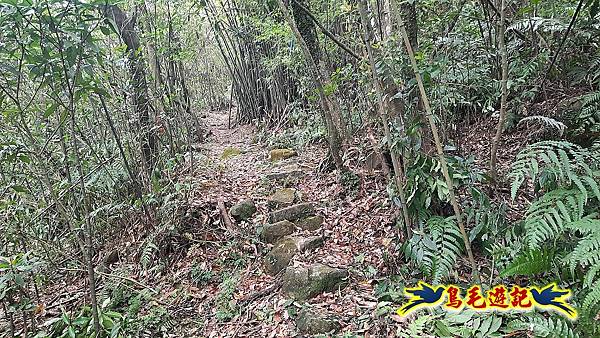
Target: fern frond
[416,328]
[552,327]
[590,276]
[591,302]
[545,121]
[591,99]
[588,119]
[587,225]
[436,250]
[595,64]
[547,217]
[586,253]
[537,24]
[572,165]
[529,263]
[148,253]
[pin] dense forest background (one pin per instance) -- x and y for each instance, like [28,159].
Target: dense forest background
[148,147]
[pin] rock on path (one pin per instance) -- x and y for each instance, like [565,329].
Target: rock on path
[303,283]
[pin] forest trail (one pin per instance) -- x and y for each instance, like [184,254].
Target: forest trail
[374,144]
[352,243]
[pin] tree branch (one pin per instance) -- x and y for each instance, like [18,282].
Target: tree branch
[327,32]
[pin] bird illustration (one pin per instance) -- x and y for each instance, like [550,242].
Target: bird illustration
[553,297]
[424,294]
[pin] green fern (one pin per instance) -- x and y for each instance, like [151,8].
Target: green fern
[468,323]
[587,225]
[588,119]
[530,263]
[587,252]
[591,302]
[436,250]
[545,122]
[547,217]
[568,163]
[148,253]
[416,328]
[553,327]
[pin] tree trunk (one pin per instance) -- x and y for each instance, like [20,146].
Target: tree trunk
[408,10]
[398,171]
[126,28]
[317,78]
[306,27]
[504,85]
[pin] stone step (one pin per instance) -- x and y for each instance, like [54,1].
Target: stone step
[271,233]
[292,213]
[284,250]
[303,283]
[313,323]
[285,173]
[282,198]
[310,223]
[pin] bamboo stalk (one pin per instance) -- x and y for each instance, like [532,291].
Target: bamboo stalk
[399,177]
[438,145]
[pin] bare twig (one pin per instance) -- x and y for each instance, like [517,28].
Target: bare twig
[225,216]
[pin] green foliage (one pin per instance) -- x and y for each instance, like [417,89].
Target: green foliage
[416,328]
[226,307]
[561,226]
[426,189]
[530,263]
[586,124]
[157,320]
[545,122]
[16,274]
[435,248]
[556,163]
[487,217]
[81,325]
[305,129]
[350,180]
[586,255]
[467,324]
[548,216]
[552,327]
[200,276]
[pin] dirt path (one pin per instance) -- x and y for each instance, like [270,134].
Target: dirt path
[358,236]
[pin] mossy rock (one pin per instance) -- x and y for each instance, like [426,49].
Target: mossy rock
[285,249]
[284,175]
[282,197]
[303,283]
[280,256]
[281,154]
[313,323]
[309,243]
[272,232]
[292,213]
[230,152]
[243,211]
[310,223]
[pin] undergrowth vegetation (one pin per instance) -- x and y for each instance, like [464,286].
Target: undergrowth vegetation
[478,121]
